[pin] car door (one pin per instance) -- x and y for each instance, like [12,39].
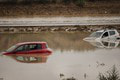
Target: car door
[105,36]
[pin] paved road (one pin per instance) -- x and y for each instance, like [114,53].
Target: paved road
[59,21]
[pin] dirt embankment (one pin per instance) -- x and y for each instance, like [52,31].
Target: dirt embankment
[99,8]
[38,29]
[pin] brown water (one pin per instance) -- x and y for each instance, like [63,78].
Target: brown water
[71,56]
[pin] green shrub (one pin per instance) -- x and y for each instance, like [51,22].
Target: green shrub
[111,75]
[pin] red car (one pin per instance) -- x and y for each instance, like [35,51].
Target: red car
[28,48]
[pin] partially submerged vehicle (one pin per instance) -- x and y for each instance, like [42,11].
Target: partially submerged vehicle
[28,48]
[107,34]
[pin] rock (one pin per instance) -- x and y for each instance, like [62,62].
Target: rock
[29,29]
[61,75]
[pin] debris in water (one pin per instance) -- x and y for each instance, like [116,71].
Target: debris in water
[85,75]
[72,78]
[61,75]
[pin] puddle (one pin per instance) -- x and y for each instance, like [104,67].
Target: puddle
[71,58]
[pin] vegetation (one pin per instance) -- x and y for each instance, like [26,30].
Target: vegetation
[41,8]
[80,3]
[77,2]
[111,75]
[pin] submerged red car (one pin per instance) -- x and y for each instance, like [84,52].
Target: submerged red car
[28,48]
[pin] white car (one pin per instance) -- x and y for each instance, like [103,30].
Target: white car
[107,34]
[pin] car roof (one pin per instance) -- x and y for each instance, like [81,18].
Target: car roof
[23,43]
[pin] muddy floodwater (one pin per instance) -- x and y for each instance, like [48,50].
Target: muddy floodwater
[71,57]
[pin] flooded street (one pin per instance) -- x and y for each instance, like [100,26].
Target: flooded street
[71,57]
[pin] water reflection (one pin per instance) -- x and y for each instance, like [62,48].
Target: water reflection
[30,58]
[105,44]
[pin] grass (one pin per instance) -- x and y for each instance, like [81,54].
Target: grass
[110,75]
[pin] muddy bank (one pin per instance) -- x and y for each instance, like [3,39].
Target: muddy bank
[98,8]
[37,29]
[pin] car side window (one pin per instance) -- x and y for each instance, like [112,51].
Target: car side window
[32,47]
[112,33]
[35,46]
[20,48]
[105,35]
[29,47]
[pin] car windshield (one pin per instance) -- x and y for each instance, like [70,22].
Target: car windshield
[96,34]
[11,48]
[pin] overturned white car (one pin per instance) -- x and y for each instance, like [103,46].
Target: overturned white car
[107,34]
